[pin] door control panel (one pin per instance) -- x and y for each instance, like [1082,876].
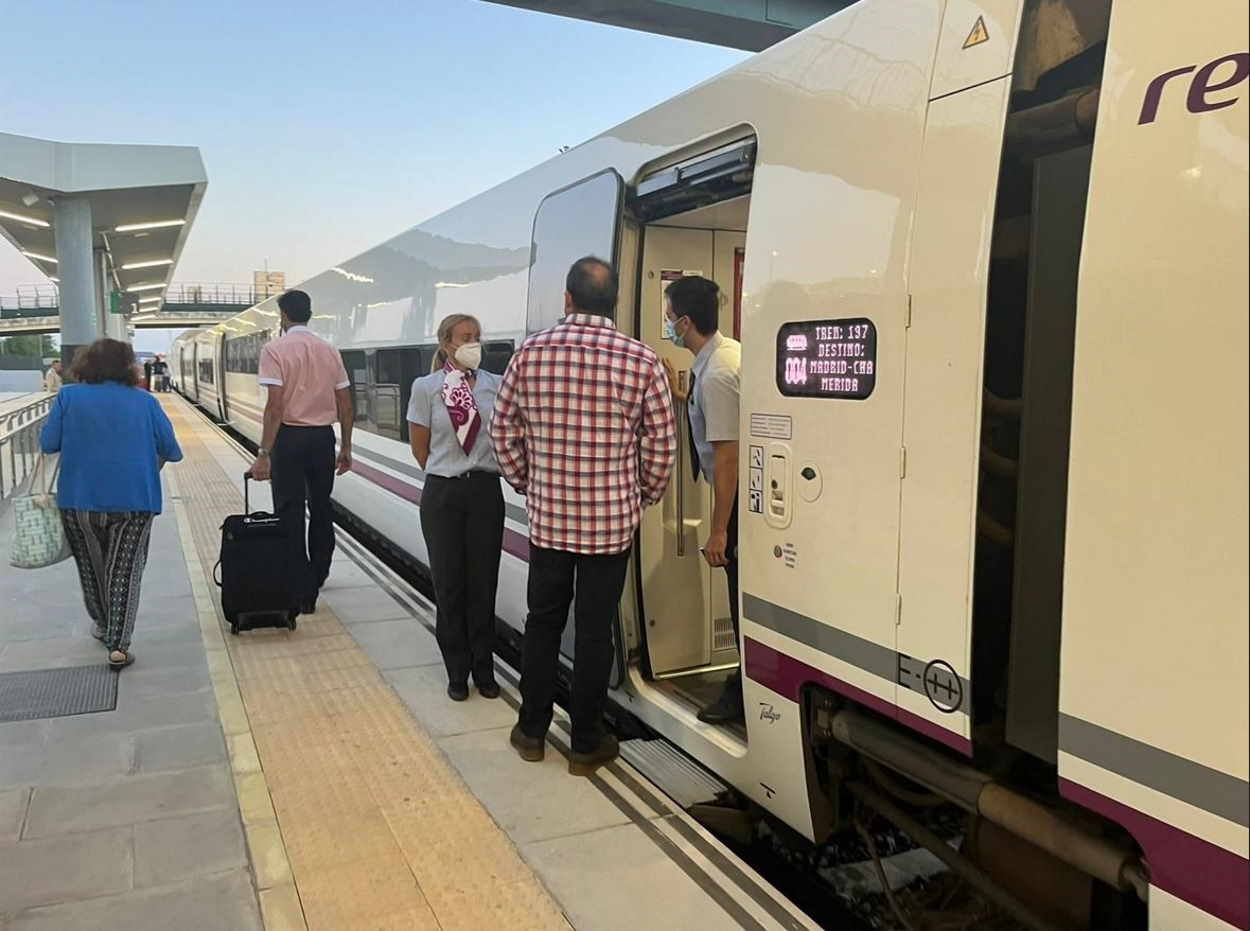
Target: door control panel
[778,493]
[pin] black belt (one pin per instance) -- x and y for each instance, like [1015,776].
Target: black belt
[463,475]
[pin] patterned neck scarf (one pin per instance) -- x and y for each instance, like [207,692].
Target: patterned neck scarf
[461,406]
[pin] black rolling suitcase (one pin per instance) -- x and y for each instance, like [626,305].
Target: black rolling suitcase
[256,575]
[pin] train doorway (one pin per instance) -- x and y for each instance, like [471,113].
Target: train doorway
[691,219]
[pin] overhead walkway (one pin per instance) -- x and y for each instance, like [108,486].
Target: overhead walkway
[36,308]
[355,795]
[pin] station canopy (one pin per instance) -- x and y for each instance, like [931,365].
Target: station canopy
[143,200]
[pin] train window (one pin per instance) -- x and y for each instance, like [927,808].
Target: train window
[243,353]
[206,371]
[582,219]
[496,355]
[357,364]
[396,369]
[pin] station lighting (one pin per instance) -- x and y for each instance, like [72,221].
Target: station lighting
[130,266]
[41,258]
[149,300]
[33,221]
[146,287]
[154,225]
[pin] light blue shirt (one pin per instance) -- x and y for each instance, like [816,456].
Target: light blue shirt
[426,408]
[713,406]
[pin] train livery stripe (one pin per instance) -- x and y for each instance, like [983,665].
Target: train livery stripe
[1213,791]
[1201,873]
[786,676]
[894,667]
[514,544]
[514,512]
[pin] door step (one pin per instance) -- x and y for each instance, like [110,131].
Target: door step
[680,778]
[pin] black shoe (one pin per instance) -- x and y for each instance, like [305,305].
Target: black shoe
[488,689]
[457,691]
[531,749]
[585,764]
[728,708]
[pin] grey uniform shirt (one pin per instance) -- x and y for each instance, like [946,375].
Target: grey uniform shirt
[427,409]
[713,406]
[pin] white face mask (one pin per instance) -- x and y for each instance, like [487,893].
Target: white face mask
[671,334]
[469,355]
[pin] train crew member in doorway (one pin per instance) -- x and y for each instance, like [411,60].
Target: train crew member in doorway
[462,510]
[113,440]
[52,380]
[692,315]
[584,429]
[307,391]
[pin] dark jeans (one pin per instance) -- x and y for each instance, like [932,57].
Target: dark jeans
[554,577]
[303,474]
[462,521]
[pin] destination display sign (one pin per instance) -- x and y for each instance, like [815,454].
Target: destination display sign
[827,359]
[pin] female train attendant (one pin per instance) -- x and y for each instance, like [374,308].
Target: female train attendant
[462,503]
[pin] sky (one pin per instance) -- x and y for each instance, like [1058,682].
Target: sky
[325,128]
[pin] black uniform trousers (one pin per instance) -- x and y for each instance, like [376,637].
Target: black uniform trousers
[556,578]
[303,475]
[462,521]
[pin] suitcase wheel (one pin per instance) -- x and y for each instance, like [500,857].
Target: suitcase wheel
[234,628]
[290,620]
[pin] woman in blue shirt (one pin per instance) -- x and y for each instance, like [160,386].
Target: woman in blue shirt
[113,440]
[462,503]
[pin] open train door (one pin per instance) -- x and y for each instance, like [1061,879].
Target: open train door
[583,218]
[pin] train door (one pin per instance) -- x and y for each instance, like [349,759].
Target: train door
[584,218]
[221,378]
[692,220]
[193,382]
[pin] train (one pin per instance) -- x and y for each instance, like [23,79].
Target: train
[987,263]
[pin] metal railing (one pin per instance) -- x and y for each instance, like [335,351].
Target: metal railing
[31,300]
[41,300]
[193,292]
[19,442]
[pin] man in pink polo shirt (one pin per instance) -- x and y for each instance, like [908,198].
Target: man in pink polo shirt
[308,390]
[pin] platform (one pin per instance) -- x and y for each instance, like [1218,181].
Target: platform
[318,779]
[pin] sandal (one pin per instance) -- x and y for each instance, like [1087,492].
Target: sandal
[126,658]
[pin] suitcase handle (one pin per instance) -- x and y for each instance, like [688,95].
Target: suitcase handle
[247,477]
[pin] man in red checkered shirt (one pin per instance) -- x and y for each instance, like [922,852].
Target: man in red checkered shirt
[584,428]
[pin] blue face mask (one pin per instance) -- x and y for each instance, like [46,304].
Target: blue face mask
[671,334]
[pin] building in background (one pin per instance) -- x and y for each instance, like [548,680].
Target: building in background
[268,284]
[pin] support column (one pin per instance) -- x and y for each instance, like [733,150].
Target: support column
[75,266]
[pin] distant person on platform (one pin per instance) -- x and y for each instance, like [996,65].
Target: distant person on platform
[52,380]
[584,429]
[113,441]
[692,320]
[160,371]
[147,374]
[307,392]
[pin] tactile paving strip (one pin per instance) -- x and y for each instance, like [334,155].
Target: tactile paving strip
[53,693]
[380,830]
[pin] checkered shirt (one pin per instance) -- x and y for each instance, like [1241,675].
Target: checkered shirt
[584,428]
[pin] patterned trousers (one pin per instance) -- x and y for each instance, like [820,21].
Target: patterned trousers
[111,550]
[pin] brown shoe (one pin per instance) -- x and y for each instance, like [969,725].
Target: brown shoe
[585,764]
[530,749]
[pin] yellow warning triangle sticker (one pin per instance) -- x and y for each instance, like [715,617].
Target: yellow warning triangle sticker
[978,35]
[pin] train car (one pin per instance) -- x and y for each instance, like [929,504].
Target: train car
[987,261]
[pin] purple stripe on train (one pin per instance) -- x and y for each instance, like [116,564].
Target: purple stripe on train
[786,676]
